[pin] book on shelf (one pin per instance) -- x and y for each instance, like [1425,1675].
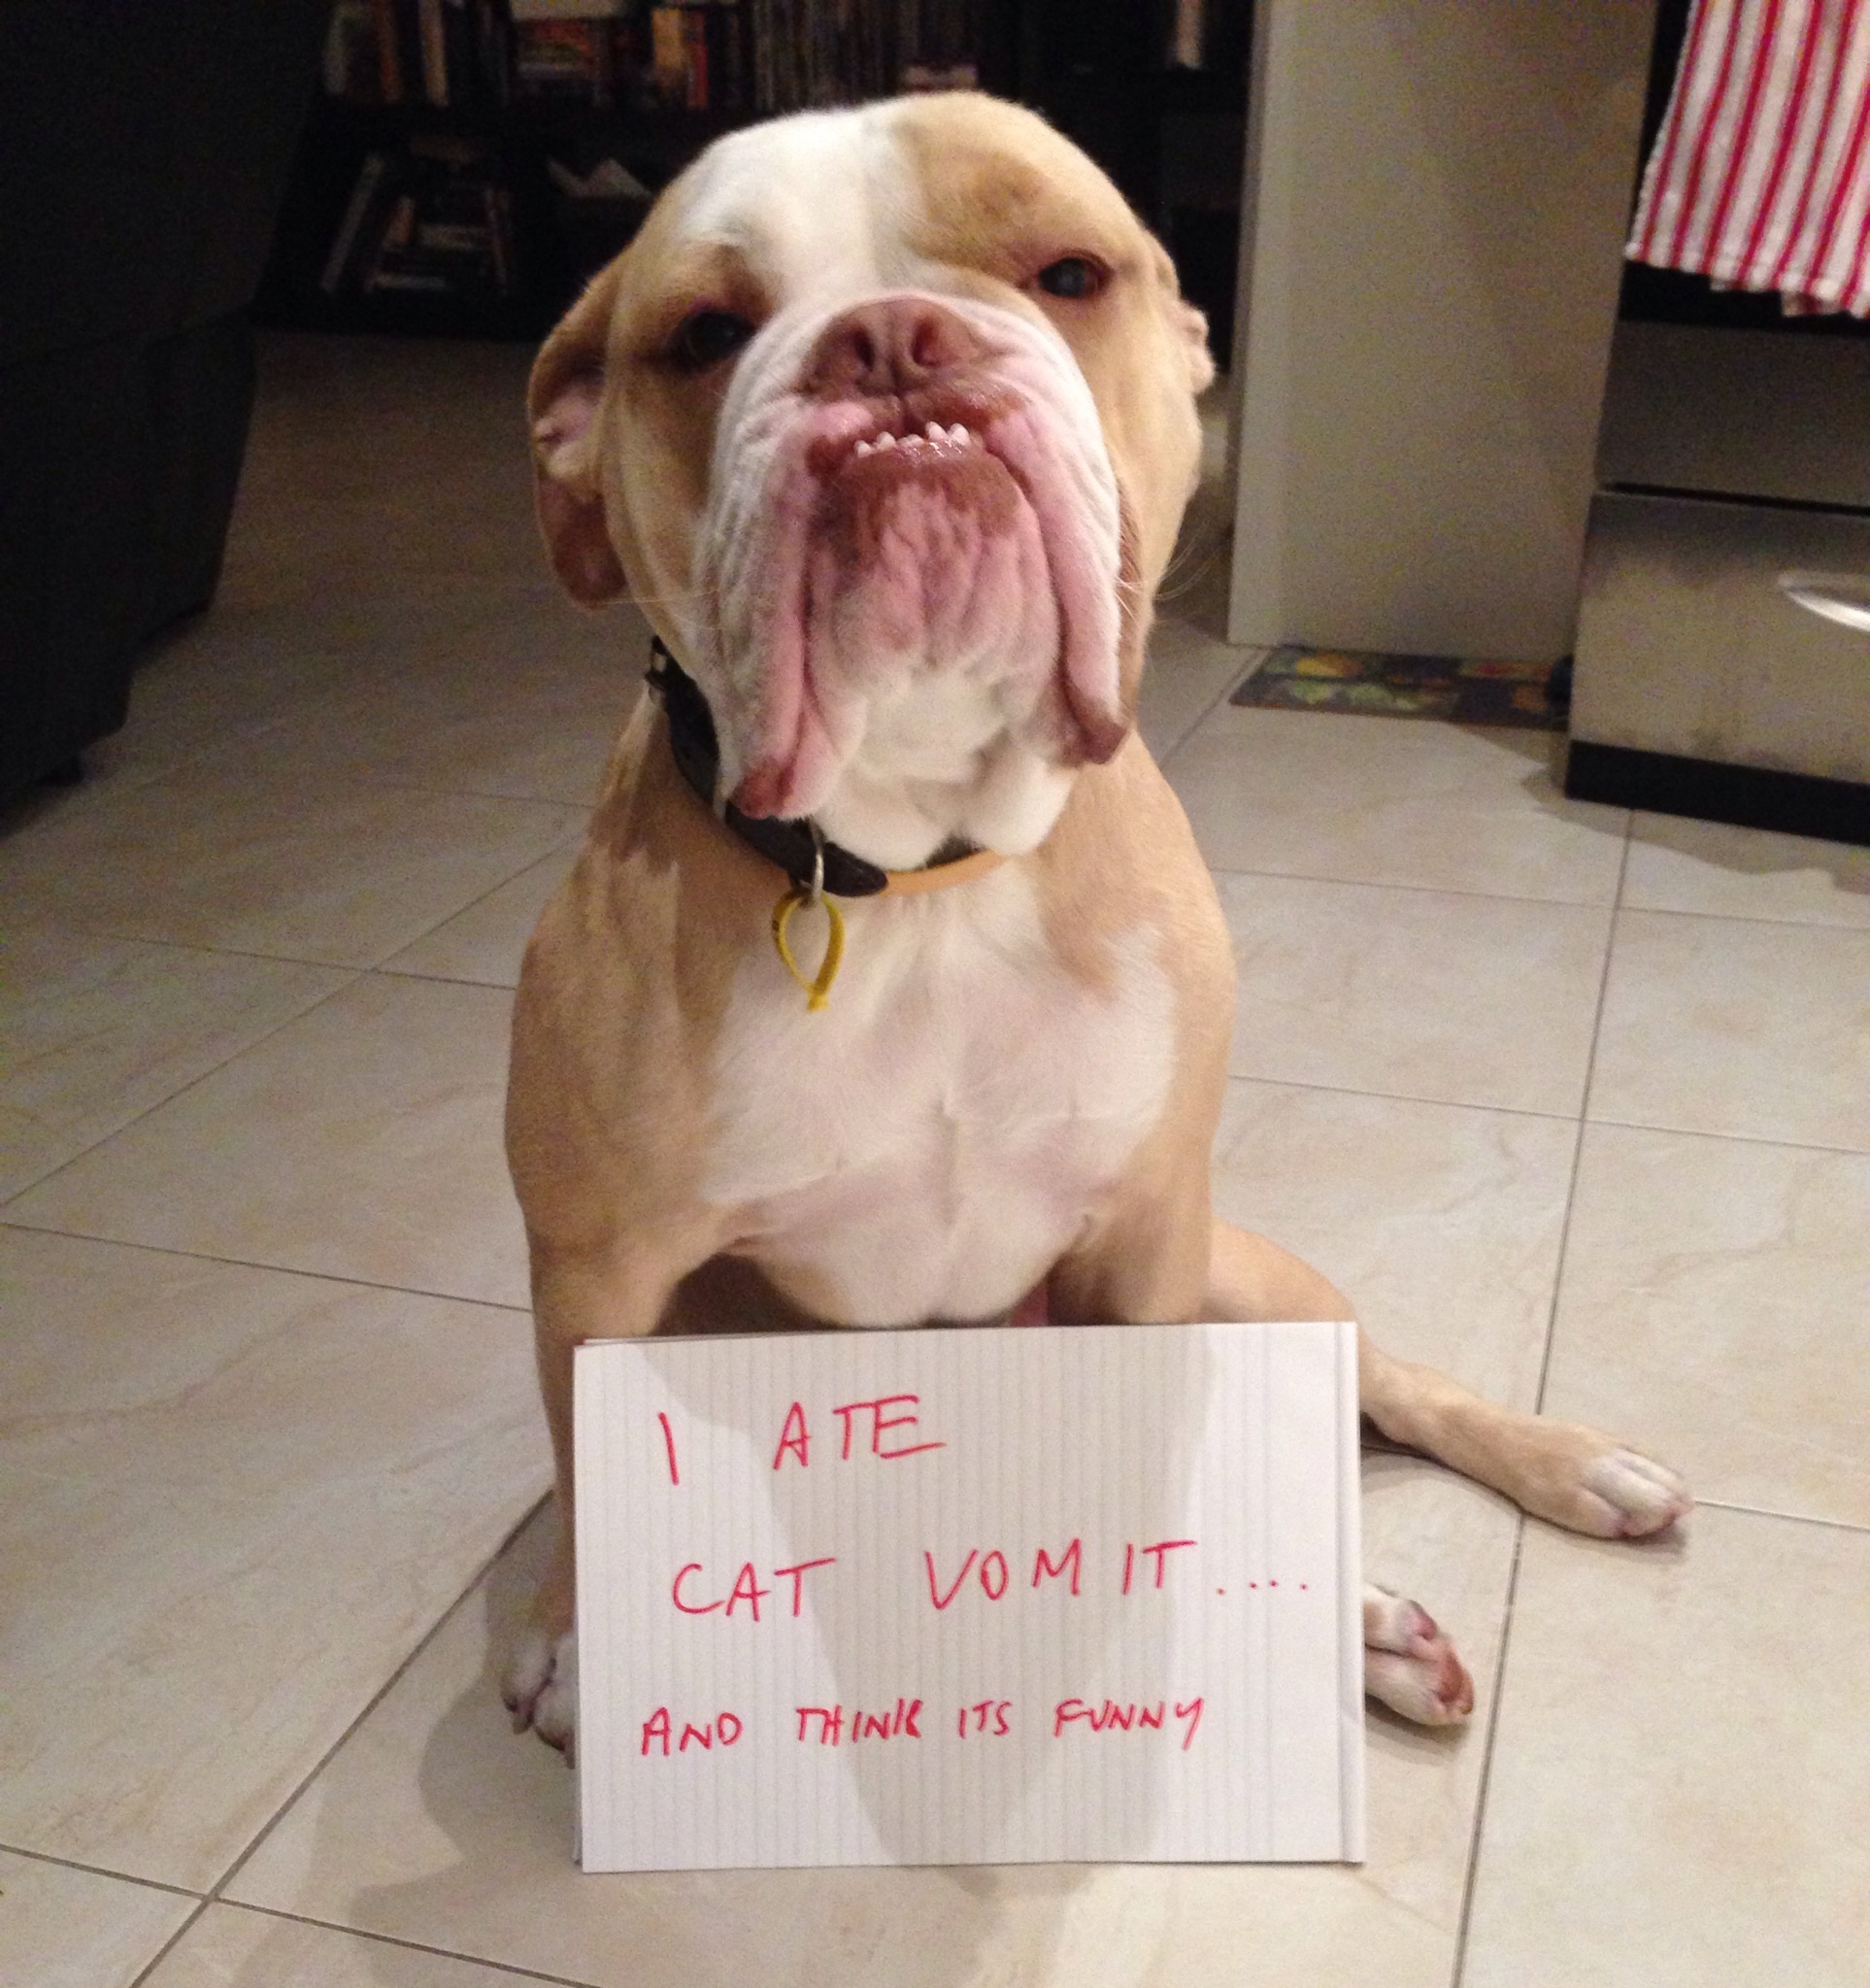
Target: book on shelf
[568,10]
[445,53]
[688,57]
[699,56]
[343,243]
[814,52]
[349,50]
[679,51]
[559,56]
[919,77]
[805,53]
[432,220]
[388,30]
[432,37]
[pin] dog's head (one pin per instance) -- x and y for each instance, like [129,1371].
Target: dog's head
[886,419]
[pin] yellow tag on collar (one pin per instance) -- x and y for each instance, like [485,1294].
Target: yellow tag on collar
[817,991]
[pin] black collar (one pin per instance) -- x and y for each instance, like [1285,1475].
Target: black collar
[793,846]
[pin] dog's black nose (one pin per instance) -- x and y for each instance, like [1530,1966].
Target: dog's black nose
[886,347]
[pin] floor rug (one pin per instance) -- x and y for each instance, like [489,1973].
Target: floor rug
[1461,692]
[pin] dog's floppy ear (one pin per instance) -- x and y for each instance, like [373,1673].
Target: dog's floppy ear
[1194,330]
[1190,324]
[562,403]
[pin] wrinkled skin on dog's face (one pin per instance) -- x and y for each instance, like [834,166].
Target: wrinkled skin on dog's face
[886,419]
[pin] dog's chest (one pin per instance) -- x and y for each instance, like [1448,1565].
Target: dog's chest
[928,1144]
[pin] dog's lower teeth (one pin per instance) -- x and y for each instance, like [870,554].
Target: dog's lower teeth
[932,435]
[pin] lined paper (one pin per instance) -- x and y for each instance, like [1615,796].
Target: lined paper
[997,1595]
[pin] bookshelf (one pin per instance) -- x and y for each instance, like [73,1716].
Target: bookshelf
[444,180]
[469,163]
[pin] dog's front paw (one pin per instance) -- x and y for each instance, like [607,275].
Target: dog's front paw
[1592,1484]
[1409,1665]
[541,1689]
[1634,1494]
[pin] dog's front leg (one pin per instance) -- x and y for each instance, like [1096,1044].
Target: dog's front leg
[620,1292]
[1408,1664]
[1145,1261]
[1164,1260]
[1573,1476]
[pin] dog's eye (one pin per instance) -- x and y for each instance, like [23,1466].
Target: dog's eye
[1076,277]
[708,337]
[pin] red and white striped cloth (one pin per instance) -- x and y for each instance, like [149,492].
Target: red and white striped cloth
[1761,175]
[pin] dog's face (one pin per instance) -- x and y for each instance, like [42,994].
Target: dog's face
[886,419]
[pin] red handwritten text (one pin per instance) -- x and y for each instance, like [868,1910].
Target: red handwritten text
[1073,1557]
[1112,1717]
[994,1710]
[747,1591]
[658,1730]
[880,1424]
[1162,1549]
[993,1573]
[795,1440]
[833,1731]
[668,1443]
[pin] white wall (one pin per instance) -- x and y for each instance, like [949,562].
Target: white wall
[1435,205]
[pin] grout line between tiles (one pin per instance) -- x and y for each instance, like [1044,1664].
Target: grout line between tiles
[380,783]
[1473,1859]
[573,836]
[214,1896]
[1493,1717]
[384,965]
[240,1858]
[1471,1874]
[1606,905]
[80,928]
[1762,1511]
[170,1944]
[198,1256]
[351,976]
[1577,1152]
[1253,656]
[1566,1118]
[180,1891]
[1632,1125]
[1743,918]
[84,928]
[393,972]
[446,1953]
[217,761]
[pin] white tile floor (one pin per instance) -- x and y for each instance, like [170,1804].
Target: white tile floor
[1577,1107]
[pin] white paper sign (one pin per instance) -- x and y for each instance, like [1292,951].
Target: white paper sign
[976,1595]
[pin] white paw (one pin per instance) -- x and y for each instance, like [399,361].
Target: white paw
[1632,1495]
[1409,1665]
[541,1689]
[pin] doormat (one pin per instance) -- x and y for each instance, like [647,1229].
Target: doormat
[1534,694]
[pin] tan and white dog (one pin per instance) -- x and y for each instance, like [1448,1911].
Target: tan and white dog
[886,419]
